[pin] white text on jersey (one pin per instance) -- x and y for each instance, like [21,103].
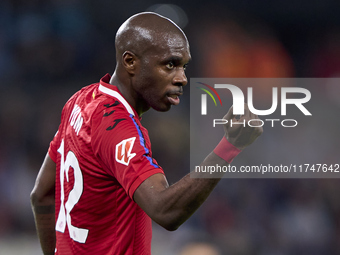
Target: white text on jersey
[76,120]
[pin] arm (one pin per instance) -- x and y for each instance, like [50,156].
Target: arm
[42,200]
[170,206]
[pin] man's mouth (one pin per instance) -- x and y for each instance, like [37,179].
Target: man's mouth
[174,98]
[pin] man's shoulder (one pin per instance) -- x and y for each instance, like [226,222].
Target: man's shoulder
[84,92]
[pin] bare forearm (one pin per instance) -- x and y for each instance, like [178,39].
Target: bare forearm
[173,205]
[186,196]
[42,201]
[189,196]
[45,221]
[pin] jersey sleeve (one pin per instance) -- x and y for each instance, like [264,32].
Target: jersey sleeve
[55,143]
[53,149]
[123,146]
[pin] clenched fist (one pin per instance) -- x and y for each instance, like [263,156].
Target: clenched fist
[239,133]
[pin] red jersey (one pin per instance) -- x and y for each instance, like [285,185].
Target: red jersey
[102,154]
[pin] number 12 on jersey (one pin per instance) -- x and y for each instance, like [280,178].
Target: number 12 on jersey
[64,217]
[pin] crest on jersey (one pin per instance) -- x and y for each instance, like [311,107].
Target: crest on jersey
[123,151]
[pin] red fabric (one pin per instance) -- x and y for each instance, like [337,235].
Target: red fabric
[93,125]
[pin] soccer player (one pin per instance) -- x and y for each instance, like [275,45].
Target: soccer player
[99,187]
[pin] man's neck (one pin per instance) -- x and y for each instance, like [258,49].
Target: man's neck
[129,94]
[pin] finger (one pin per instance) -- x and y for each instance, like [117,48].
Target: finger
[239,117]
[252,115]
[247,112]
[255,117]
[229,114]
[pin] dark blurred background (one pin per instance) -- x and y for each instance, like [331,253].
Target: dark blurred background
[50,49]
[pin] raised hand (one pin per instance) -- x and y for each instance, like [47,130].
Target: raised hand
[237,130]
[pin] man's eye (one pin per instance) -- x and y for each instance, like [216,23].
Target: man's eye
[185,67]
[170,65]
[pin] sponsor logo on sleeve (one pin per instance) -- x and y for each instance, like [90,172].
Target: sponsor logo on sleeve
[123,151]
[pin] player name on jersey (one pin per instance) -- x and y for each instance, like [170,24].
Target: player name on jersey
[76,120]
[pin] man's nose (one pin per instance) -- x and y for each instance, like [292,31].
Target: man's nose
[180,78]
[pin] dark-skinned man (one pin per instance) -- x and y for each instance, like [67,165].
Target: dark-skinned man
[99,187]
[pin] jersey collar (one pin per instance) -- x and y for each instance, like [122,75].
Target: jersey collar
[111,90]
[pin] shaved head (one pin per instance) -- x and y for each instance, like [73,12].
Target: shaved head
[152,53]
[145,32]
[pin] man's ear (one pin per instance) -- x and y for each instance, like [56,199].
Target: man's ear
[130,61]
